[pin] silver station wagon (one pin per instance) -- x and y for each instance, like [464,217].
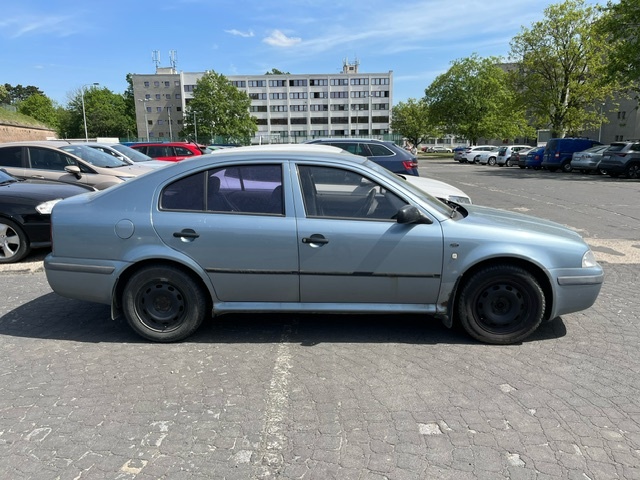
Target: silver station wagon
[307,228]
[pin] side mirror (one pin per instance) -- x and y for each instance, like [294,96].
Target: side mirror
[411,214]
[74,170]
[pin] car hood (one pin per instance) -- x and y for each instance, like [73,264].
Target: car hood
[435,188]
[40,190]
[496,219]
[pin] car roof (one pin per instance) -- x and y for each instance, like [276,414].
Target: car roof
[340,140]
[44,143]
[284,148]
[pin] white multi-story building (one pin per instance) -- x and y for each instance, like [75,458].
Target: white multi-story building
[287,107]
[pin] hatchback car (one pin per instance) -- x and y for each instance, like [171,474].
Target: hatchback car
[487,156]
[621,158]
[299,228]
[126,154]
[387,154]
[66,162]
[170,151]
[25,212]
[469,155]
[505,154]
[588,160]
[519,158]
[534,158]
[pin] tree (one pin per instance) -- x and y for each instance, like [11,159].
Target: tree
[19,93]
[620,24]
[561,73]
[474,99]
[411,120]
[275,71]
[219,109]
[106,115]
[41,108]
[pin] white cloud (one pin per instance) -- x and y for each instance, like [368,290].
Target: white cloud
[240,33]
[31,25]
[279,39]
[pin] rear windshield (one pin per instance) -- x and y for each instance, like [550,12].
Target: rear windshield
[616,147]
[502,150]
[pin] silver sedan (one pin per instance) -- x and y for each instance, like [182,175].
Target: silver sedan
[309,228]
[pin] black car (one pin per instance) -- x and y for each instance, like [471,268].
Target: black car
[25,213]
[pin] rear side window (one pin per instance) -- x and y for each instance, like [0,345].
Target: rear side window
[616,147]
[635,147]
[183,152]
[380,150]
[11,157]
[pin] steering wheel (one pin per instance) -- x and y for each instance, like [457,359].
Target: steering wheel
[369,204]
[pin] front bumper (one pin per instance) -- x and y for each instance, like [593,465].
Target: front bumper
[576,289]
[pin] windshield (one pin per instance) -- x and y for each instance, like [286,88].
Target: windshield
[130,153]
[5,177]
[95,157]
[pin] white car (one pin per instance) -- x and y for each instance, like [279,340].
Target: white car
[126,154]
[505,155]
[471,152]
[441,190]
[487,157]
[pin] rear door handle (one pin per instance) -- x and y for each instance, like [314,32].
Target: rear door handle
[316,239]
[186,233]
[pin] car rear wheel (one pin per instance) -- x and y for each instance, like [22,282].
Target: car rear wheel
[163,303]
[633,171]
[566,167]
[491,161]
[14,244]
[508,162]
[501,305]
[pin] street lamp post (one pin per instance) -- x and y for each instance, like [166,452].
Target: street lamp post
[146,118]
[600,130]
[84,113]
[170,130]
[195,127]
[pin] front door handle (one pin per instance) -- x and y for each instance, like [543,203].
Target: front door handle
[315,239]
[186,233]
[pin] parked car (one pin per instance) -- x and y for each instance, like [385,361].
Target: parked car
[487,156]
[126,154]
[438,149]
[534,158]
[587,161]
[441,190]
[519,158]
[469,155]
[169,151]
[388,154]
[458,152]
[25,212]
[66,162]
[299,228]
[558,152]
[505,154]
[621,158]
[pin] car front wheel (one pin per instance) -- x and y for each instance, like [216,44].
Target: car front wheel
[491,161]
[501,305]
[164,304]
[14,245]
[633,171]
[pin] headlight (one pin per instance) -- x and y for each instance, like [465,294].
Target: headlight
[46,207]
[589,260]
[461,200]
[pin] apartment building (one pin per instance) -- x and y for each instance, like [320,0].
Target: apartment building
[287,107]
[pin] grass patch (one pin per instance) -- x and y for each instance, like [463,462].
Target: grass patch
[15,118]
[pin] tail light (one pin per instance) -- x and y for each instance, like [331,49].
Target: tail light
[557,155]
[409,164]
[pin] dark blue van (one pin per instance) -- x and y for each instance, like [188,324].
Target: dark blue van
[558,152]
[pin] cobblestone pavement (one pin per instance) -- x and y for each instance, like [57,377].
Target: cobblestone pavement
[317,397]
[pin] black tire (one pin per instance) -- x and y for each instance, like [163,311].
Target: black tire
[633,171]
[602,172]
[14,244]
[491,161]
[507,163]
[566,167]
[163,303]
[501,305]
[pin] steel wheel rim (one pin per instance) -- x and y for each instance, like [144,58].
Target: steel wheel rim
[501,308]
[161,306]
[9,241]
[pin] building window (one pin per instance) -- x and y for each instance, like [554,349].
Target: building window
[339,120]
[319,108]
[319,120]
[319,133]
[359,94]
[339,94]
[359,106]
[299,133]
[622,115]
[148,109]
[168,96]
[189,88]
[258,108]
[277,83]
[297,95]
[320,94]
[258,96]
[380,93]
[379,119]
[158,96]
[322,82]
[339,81]
[298,120]
[359,81]
[167,84]
[146,84]
[278,96]
[147,96]
[278,108]
[160,122]
[156,83]
[261,121]
[340,107]
[380,106]
[239,83]
[298,108]
[298,83]
[178,96]
[158,109]
[257,83]
[379,81]
[279,121]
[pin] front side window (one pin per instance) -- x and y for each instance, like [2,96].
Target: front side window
[47,159]
[342,194]
[243,189]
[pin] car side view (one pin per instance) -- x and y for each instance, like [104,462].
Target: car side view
[313,229]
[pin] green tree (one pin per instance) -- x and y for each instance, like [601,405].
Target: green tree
[41,108]
[620,24]
[4,94]
[275,71]
[474,99]
[106,115]
[411,120]
[19,93]
[561,73]
[219,110]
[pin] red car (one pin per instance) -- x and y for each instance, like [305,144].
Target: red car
[169,151]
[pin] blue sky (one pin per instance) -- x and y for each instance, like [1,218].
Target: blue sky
[58,46]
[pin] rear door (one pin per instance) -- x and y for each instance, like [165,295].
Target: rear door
[13,160]
[50,164]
